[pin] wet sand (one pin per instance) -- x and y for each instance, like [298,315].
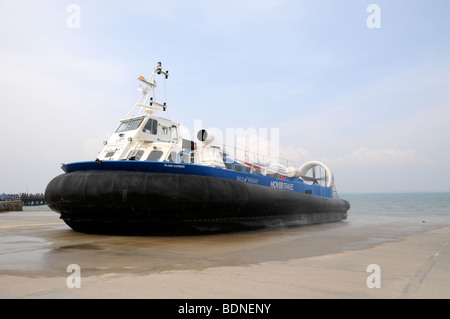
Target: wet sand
[316,261]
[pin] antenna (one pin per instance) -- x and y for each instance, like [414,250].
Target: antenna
[148,92]
[159,70]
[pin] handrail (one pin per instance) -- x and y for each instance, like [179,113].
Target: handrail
[258,163]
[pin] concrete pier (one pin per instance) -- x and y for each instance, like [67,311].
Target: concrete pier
[11,206]
[15,202]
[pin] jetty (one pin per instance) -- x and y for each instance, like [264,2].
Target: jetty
[15,202]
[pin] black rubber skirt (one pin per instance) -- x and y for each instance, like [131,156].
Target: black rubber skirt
[124,202]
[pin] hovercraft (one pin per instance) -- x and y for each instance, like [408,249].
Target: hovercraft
[151,177]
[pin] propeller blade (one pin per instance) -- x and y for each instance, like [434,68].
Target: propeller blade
[312,179]
[308,178]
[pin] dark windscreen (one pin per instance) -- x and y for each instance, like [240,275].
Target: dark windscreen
[151,127]
[129,125]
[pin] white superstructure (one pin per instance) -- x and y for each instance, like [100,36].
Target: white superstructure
[145,136]
[142,135]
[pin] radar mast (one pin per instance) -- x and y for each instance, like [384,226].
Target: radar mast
[148,101]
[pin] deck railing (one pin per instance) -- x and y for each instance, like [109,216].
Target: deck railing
[242,160]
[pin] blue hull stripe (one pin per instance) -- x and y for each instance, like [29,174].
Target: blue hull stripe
[294,185]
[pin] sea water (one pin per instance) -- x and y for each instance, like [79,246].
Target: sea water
[35,208]
[384,217]
[400,204]
[404,210]
[380,204]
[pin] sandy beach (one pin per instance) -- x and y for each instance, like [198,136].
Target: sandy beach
[335,260]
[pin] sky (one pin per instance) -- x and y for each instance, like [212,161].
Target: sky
[364,89]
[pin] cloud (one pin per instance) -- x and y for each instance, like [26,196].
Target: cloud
[387,156]
[296,155]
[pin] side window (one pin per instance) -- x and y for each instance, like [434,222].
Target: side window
[164,133]
[154,156]
[164,130]
[135,155]
[174,133]
[151,127]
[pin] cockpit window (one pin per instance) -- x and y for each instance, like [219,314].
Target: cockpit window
[174,133]
[129,125]
[151,127]
[134,124]
[122,127]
